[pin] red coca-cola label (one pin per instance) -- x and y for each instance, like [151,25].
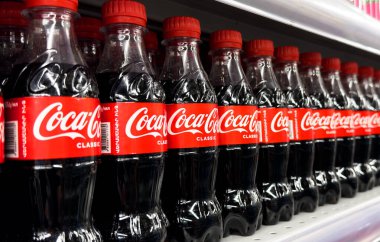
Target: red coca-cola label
[238,125]
[274,125]
[375,122]
[343,123]
[1,130]
[321,121]
[133,128]
[192,125]
[52,128]
[297,131]
[361,122]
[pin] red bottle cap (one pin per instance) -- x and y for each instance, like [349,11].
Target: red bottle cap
[10,14]
[287,53]
[259,47]
[89,28]
[311,59]
[350,68]
[69,4]
[377,75]
[366,72]
[226,39]
[124,12]
[151,41]
[330,64]
[182,26]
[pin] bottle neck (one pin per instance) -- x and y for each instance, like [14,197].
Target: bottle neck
[354,90]
[351,85]
[12,42]
[368,87]
[91,50]
[124,48]
[152,57]
[260,73]
[288,76]
[376,85]
[226,68]
[333,83]
[181,59]
[313,81]
[51,37]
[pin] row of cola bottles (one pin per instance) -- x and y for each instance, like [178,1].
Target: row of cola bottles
[85,156]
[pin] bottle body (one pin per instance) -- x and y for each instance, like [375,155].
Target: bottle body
[324,137]
[190,170]
[59,96]
[130,176]
[278,201]
[345,134]
[371,93]
[363,138]
[301,144]
[237,164]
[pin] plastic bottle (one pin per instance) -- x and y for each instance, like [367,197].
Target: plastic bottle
[362,115]
[344,132]
[127,203]
[151,45]
[188,193]
[90,40]
[53,127]
[301,137]
[370,89]
[324,135]
[12,42]
[278,201]
[238,136]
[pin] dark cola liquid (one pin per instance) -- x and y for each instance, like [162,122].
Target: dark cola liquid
[324,161]
[188,193]
[236,179]
[363,169]
[127,196]
[51,199]
[300,165]
[344,166]
[278,201]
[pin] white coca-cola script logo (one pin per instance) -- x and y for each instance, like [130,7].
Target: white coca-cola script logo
[181,122]
[374,120]
[280,122]
[141,121]
[71,124]
[315,120]
[359,121]
[228,122]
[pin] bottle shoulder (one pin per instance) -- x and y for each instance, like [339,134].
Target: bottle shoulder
[236,94]
[51,79]
[132,83]
[192,87]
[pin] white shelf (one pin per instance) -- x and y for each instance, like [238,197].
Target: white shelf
[355,219]
[335,19]
[332,27]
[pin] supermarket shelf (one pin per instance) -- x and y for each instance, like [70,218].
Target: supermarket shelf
[333,33]
[335,19]
[355,219]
